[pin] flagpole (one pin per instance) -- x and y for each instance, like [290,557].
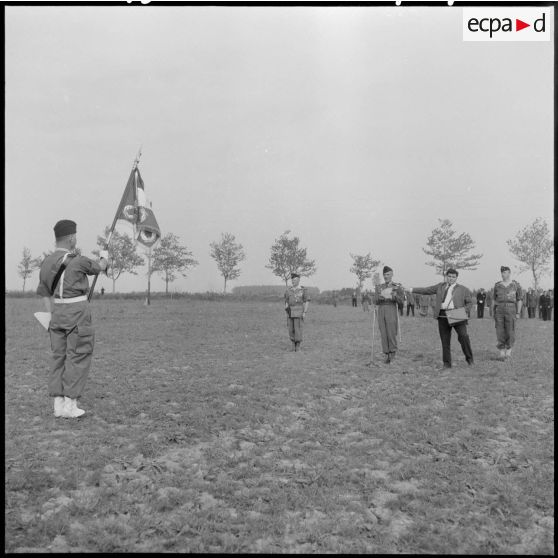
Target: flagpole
[111,230]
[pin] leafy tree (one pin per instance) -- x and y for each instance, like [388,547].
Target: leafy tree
[170,258]
[27,265]
[228,254]
[286,258]
[449,249]
[362,267]
[533,247]
[123,257]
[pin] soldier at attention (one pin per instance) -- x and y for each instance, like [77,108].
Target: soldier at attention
[508,299]
[296,306]
[64,286]
[387,297]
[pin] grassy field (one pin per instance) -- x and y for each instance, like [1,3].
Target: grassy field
[204,433]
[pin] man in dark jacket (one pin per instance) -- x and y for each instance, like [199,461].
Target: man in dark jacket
[450,296]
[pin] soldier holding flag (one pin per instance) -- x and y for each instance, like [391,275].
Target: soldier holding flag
[63,285]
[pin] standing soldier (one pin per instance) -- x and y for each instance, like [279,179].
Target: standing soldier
[354,299]
[64,286]
[531,303]
[387,297]
[366,301]
[481,300]
[296,306]
[544,306]
[507,307]
[410,303]
[334,299]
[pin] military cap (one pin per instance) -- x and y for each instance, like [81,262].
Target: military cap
[64,228]
[387,269]
[293,275]
[504,268]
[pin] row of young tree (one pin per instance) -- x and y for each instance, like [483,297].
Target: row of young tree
[532,246]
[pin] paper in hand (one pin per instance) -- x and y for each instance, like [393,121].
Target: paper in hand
[43,318]
[386,293]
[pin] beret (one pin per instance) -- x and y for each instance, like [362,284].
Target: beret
[64,228]
[293,275]
[504,268]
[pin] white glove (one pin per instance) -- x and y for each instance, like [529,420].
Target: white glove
[103,254]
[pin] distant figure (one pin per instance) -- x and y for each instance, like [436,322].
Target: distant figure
[102,291]
[366,301]
[401,304]
[507,307]
[334,298]
[450,296]
[532,303]
[544,306]
[387,297]
[355,305]
[551,303]
[481,300]
[296,306]
[410,303]
[423,305]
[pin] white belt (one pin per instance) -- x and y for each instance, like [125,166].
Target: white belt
[82,298]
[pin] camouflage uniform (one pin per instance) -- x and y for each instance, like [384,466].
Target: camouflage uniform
[505,309]
[387,315]
[295,297]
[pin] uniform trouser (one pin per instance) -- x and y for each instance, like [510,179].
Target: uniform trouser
[295,329]
[462,336]
[354,303]
[387,323]
[480,310]
[504,318]
[410,307]
[365,306]
[72,339]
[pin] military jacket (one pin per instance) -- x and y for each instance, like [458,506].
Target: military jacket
[511,293]
[398,294]
[73,281]
[295,296]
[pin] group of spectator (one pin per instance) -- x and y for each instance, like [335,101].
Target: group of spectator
[535,303]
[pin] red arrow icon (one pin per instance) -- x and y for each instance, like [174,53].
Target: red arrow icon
[519,25]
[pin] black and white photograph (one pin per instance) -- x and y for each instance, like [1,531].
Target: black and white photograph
[279,277]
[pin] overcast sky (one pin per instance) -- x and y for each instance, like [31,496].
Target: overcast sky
[355,128]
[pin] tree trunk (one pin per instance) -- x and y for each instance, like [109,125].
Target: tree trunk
[113,285]
[166,284]
[225,287]
[534,276]
[24,284]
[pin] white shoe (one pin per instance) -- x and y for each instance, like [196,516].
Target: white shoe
[508,353]
[71,409]
[59,406]
[502,354]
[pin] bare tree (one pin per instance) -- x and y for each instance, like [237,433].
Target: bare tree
[286,258]
[363,267]
[123,257]
[449,249]
[533,247]
[170,258]
[27,265]
[228,254]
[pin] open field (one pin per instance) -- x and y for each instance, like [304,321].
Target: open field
[204,433]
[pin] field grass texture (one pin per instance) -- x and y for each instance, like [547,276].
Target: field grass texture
[205,433]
